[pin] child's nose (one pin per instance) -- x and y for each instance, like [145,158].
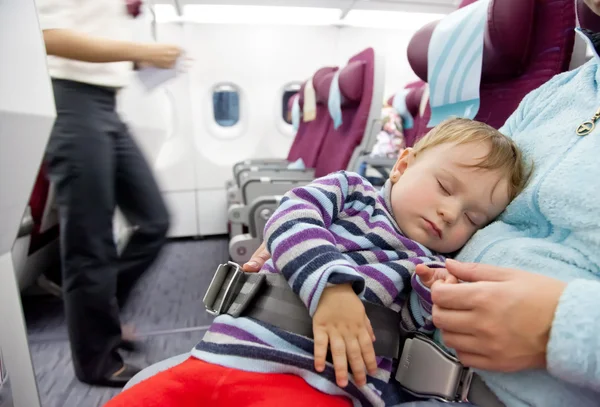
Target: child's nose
[449,213]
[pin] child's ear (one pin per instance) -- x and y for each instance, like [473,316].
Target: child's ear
[405,160]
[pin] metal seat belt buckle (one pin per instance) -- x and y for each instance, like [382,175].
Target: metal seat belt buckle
[223,288]
[426,370]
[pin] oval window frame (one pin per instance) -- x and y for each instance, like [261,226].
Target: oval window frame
[226,132]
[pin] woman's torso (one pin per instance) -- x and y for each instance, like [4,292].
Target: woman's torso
[553,227]
[97,18]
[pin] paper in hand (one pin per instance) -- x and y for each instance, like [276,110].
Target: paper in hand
[151,77]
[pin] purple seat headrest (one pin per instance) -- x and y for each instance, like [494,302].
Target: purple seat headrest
[316,78]
[322,85]
[413,98]
[506,46]
[352,80]
[587,18]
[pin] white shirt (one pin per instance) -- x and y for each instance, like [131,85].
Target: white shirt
[98,18]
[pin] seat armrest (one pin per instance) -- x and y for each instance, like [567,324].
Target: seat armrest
[269,186]
[256,172]
[275,175]
[238,213]
[259,212]
[258,163]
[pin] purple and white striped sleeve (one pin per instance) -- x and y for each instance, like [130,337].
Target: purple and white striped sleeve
[302,247]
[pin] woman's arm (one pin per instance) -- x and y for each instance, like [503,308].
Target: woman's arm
[82,47]
[573,352]
[61,38]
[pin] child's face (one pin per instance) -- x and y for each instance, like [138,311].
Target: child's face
[440,200]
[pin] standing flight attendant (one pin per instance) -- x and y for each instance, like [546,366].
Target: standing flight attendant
[96,165]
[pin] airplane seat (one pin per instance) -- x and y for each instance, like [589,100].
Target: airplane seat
[360,85]
[361,88]
[269,182]
[36,247]
[233,195]
[310,135]
[306,145]
[526,42]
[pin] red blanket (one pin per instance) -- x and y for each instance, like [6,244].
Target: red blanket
[195,383]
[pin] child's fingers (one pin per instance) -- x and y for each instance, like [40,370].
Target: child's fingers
[370,329]
[425,273]
[422,269]
[368,352]
[340,362]
[355,359]
[450,279]
[321,342]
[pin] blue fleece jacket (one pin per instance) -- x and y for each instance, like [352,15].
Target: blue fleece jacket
[553,228]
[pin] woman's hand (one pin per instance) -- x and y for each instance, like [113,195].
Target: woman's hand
[501,320]
[258,259]
[162,56]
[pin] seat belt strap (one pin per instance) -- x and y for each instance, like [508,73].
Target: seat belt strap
[424,368]
[481,395]
[269,298]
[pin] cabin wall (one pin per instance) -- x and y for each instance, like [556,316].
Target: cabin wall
[190,153]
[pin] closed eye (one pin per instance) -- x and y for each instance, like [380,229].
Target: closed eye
[471,220]
[443,188]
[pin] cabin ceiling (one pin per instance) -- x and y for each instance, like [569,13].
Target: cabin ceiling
[424,6]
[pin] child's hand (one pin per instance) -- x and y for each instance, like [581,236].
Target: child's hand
[430,275]
[341,322]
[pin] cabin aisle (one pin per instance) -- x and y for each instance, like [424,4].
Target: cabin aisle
[166,308]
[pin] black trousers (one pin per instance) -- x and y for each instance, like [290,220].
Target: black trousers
[96,166]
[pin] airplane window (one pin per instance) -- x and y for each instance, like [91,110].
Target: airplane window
[226,105]
[288,91]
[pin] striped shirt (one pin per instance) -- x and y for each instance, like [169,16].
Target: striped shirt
[336,230]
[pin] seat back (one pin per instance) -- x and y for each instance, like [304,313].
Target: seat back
[361,87]
[526,42]
[310,135]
